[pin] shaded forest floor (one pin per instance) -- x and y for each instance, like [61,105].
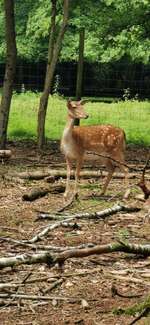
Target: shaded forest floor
[84,294]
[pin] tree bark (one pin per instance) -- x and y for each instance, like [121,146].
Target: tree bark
[80,64]
[80,68]
[11,56]
[53,53]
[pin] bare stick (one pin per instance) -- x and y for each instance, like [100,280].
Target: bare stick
[47,229]
[37,297]
[45,247]
[54,285]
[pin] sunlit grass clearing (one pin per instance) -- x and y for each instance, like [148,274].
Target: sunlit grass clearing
[132,116]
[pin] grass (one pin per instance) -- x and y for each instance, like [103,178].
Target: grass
[134,309]
[132,116]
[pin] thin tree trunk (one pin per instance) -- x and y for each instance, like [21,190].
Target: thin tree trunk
[80,68]
[53,54]
[9,70]
[80,64]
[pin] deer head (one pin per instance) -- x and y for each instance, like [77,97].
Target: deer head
[76,109]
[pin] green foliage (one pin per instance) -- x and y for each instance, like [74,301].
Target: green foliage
[132,116]
[114,29]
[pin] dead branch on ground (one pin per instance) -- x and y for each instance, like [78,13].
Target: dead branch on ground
[38,193]
[93,215]
[44,247]
[48,228]
[5,154]
[52,259]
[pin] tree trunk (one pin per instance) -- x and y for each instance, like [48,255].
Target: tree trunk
[9,70]
[80,64]
[80,68]
[53,53]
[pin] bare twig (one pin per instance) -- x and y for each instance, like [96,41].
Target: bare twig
[54,285]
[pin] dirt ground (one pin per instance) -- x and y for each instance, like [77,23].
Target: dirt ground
[84,293]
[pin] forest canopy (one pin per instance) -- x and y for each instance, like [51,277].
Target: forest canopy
[114,29]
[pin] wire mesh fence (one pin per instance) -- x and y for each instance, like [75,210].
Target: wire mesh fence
[99,80]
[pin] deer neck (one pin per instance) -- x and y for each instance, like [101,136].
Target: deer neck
[67,134]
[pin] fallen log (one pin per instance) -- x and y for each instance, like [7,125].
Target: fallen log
[52,259]
[35,194]
[40,192]
[55,174]
[5,154]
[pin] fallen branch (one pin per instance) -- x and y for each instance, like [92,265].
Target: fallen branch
[46,230]
[52,259]
[37,192]
[53,285]
[4,303]
[93,215]
[36,297]
[44,247]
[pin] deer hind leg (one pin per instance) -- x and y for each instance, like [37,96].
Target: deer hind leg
[77,173]
[111,169]
[69,167]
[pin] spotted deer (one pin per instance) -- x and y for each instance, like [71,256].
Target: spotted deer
[107,141]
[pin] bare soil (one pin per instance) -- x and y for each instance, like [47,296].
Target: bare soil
[85,295]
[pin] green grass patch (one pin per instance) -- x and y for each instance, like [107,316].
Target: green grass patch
[134,309]
[132,116]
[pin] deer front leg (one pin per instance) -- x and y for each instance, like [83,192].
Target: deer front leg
[77,174]
[69,166]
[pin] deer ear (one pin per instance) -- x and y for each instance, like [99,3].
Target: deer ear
[82,101]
